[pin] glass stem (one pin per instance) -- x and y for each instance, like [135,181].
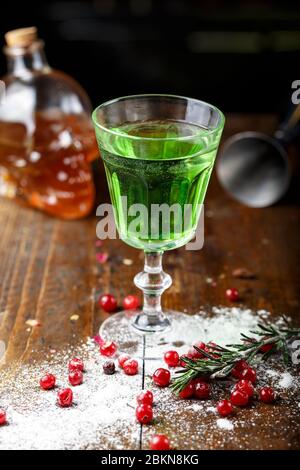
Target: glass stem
[153,281]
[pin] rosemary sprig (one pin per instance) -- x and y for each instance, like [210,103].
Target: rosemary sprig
[219,363]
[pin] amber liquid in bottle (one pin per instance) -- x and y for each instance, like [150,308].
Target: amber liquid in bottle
[47,141]
[50,171]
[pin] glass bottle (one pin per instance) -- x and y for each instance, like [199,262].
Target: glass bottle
[46,138]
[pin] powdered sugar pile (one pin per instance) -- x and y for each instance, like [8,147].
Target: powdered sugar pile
[223,326]
[103,417]
[286,380]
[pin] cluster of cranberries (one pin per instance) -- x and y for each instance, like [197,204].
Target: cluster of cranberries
[76,368]
[244,389]
[127,364]
[65,395]
[109,303]
[172,358]
[144,415]
[130,366]
[144,411]
[199,388]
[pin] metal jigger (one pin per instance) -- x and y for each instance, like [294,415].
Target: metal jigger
[254,168]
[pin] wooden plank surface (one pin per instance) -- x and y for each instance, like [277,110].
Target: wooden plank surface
[48,272]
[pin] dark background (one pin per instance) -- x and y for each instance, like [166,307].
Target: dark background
[240,55]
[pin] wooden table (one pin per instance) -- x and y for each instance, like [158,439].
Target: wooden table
[48,271]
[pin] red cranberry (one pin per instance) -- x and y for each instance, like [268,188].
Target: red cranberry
[98,340]
[211,346]
[201,390]
[200,345]
[246,387]
[266,347]
[194,354]
[76,377]
[224,407]
[48,381]
[76,364]
[161,377]
[145,398]
[122,359]
[109,367]
[188,356]
[131,302]
[266,394]
[144,413]
[2,417]
[239,367]
[108,303]
[159,442]
[232,294]
[188,391]
[171,358]
[200,379]
[239,398]
[108,348]
[65,397]
[131,367]
[212,349]
[249,374]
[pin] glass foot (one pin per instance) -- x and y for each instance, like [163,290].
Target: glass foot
[128,327]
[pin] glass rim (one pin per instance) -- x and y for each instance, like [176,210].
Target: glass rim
[153,95]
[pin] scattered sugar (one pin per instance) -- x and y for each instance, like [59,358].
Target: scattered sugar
[212,409]
[196,407]
[272,373]
[223,327]
[286,380]
[224,423]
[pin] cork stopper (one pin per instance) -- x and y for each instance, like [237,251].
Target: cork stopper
[22,37]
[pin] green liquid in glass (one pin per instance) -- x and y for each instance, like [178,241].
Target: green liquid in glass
[158,172]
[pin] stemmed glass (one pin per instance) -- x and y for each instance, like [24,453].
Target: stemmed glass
[158,152]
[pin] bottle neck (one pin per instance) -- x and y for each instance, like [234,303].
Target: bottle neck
[23,61]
